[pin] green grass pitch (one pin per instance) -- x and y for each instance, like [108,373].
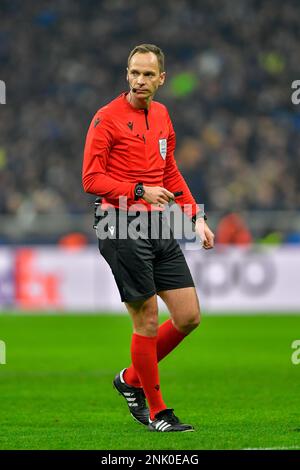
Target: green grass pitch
[233,379]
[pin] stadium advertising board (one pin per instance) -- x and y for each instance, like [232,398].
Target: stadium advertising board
[228,280]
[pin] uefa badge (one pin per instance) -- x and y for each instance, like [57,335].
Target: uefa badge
[163,148]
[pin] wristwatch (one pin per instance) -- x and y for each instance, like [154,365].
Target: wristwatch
[138,191]
[199,215]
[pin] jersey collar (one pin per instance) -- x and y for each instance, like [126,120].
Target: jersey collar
[132,108]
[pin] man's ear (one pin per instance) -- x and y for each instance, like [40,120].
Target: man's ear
[162,78]
[127,78]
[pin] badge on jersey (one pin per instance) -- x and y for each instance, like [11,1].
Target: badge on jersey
[163,148]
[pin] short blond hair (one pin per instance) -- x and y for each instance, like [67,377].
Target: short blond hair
[144,48]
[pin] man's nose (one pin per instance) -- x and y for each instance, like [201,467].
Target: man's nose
[140,79]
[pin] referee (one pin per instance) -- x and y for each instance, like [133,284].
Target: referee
[129,156]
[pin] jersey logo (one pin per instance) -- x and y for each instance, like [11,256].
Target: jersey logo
[130,125]
[96,122]
[163,148]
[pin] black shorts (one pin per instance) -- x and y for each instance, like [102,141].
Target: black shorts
[142,253]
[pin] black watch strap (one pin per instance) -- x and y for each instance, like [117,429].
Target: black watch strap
[199,215]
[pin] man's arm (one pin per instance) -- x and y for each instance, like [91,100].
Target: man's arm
[98,145]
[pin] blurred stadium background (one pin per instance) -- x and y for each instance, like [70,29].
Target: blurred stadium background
[230,66]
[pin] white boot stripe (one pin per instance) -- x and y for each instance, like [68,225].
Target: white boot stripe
[161,428]
[162,424]
[158,424]
[166,426]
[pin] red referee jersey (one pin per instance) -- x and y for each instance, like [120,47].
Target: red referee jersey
[125,146]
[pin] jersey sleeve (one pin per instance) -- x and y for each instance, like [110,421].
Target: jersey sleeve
[173,179]
[99,142]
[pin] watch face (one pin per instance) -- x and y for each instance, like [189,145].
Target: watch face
[139,191]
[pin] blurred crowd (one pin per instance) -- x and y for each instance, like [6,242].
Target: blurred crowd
[230,66]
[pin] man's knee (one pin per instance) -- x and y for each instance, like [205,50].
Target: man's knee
[189,322]
[145,317]
[150,326]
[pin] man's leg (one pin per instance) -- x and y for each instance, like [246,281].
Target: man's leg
[183,305]
[144,315]
[184,308]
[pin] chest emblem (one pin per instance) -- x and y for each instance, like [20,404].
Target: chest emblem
[163,148]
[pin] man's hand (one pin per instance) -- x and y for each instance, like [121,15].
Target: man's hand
[157,195]
[205,234]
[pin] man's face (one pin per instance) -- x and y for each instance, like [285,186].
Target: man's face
[144,75]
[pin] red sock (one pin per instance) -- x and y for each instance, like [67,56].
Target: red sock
[144,360]
[168,338]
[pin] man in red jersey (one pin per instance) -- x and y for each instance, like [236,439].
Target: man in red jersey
[129,154]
